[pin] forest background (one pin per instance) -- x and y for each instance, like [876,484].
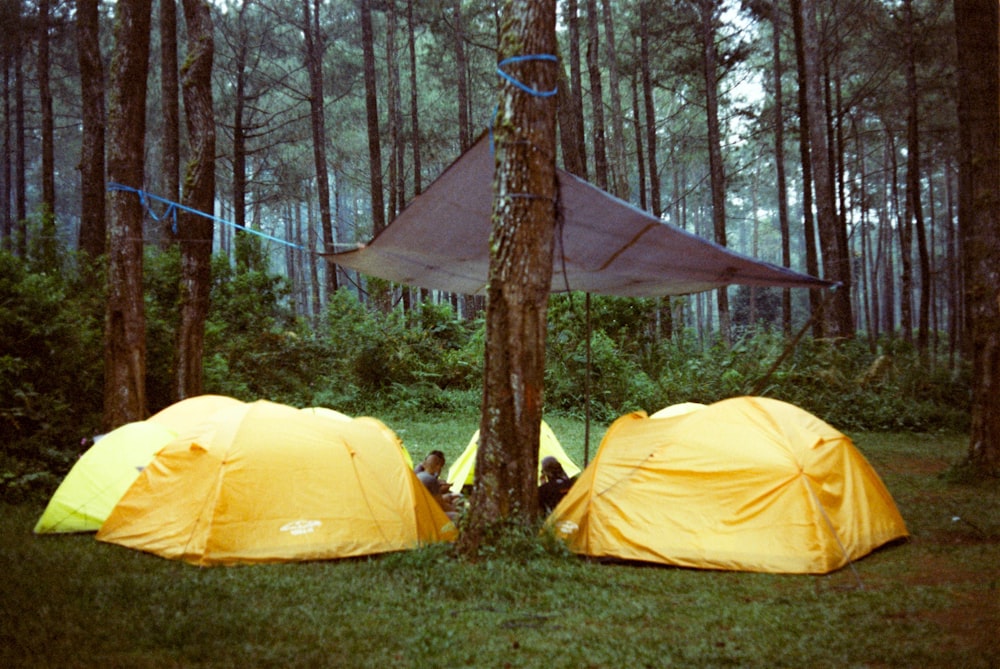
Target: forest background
[670,105]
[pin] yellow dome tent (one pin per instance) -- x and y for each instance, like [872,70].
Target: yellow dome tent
[749,484]
[463,470]
[192,411]
[101,476]
[266,482]
[336,415]
[677,409]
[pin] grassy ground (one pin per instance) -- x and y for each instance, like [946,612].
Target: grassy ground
[934,601]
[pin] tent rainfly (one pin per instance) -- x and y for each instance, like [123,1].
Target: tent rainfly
[101,476]
[265,482]
[745,484]
[604,245]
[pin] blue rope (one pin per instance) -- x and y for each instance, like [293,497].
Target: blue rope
[520,59]
[172,208]
[519,84]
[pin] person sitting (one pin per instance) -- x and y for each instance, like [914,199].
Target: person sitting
[428,472]
[555,484]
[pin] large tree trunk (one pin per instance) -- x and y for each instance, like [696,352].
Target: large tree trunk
[717,168]
[808,221]
[124,332]
[379,291]
[199,194]
[521,244]
[169,86]
[6,220]
[93,226]
[619,168]
[779,161]
[656,207]
[835,267]
[572,19]
[411,43]
[461,76]
[48,123]
[596,96]
[977,23]
[20,145]
[914,205]
[314,64]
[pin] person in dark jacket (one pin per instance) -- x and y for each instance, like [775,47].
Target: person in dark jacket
[555,484]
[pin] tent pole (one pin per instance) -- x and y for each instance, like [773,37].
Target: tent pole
[586,389]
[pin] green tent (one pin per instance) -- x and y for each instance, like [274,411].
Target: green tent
[101,476]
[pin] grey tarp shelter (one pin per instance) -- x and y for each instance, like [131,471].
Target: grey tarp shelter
[604,245]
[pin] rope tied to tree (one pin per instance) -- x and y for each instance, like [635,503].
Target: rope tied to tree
[173,207]
[517,83]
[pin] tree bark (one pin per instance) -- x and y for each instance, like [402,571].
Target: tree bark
[835,267]
[93,225]
[576,85]
[414,116]
[461,76]
[914,205]
[656,206]
[314,64]
[6,220]
[199,194]
[717,168]
[521,247]
[779,162]
[124,333]
[619,169]
[48,123]
[808,221]
[596,97]
[977,24]
[169,87]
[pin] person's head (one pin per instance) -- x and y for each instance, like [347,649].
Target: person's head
[434,462]
[551,469]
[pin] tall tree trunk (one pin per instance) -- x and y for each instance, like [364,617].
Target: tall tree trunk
[397,168]
[20,145]
[48,123]
[570,128]
[314,61]
[619,168]
[779,162]
[170,104]
[199,194]
[835,267]
[808,221]
[977,25]
[709,62]
[576,84]
[521,243]
[904,226]
[656,206]
[414,116]
[461,76]
[380,294]
[371,107]
[596,96]
[243,256]
[913,196]
[124,332]
[640,161]
[6,218]
[93,226]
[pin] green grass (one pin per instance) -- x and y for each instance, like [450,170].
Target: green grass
[69,601]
